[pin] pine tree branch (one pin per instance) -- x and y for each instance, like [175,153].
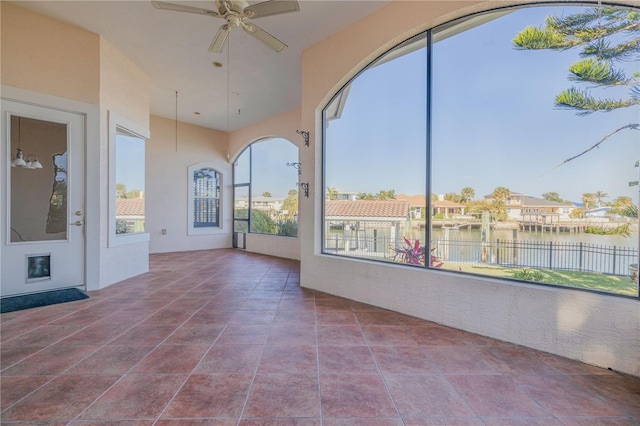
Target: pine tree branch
[632,126]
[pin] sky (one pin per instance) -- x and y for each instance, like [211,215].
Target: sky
[494,122]
[270,172]
[130,162]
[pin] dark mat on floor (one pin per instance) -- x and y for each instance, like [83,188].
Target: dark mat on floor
[28,301]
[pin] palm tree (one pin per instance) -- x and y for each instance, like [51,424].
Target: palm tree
[384,195]
[266,194]
[332,193]
[466,194]
[588,199]
[599,195]
[501,193]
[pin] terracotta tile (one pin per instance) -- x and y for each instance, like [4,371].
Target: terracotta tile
[213,316]
[294,317]
[193,333]
[599,421]
[340,335]
[522,421]
[512,359]
[289,359]
[12,389]
[61,399]
[362,422]
[496,396]
[52,360]
[135,396]
[171,315]
[253,317]
[145,334]
[197,422]
[296,303]
[111,423]
[10,355]
[189,299]
[402,360]
[44,335]
[210,395]
[355,395]
[171,359]
[446,421]
[285,334]
[336,317]
[384,318]
[280,422]
[383,336]
[563,395]
[426,396]
[346,359]
[97,334]
[619,391]
[458,360]
[230,359]
[568,366]
[435,336]
[111,359]
[235,334]
[283,395]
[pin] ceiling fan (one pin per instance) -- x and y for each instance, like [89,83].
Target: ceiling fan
[235,12]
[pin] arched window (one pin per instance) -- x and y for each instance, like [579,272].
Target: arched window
[204,198]
[471,148]
[265,180]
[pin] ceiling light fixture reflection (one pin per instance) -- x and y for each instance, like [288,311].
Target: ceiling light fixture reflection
[19,161]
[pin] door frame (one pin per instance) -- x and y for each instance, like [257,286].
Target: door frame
[93,190]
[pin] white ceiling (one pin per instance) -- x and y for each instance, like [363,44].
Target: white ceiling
[172,48]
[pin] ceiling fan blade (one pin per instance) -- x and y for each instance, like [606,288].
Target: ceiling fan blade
[220,39]
[260,34]
[272,7]
[184,8]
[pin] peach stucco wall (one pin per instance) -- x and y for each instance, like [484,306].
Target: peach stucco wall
[43,55]
[594,328]
[168,184]
[124,92]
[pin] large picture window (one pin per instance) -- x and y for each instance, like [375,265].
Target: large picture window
[504,144]
[265,188]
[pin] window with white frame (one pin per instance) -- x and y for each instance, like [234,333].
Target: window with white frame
[204,198]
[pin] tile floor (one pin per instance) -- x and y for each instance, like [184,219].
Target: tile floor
[225,337]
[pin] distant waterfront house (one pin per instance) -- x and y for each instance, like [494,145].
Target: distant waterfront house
[417,203]
[447,208]
[266,204]
[598,212]
[271,206]
[440,206]
[524,207]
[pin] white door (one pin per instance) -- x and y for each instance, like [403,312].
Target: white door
[42,213]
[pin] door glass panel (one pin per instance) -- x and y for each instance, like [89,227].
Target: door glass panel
[38,182]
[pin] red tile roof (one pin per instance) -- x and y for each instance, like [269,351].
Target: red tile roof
[367,209]
[129,206]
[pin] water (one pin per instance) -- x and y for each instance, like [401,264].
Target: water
[566,237]
[611,254]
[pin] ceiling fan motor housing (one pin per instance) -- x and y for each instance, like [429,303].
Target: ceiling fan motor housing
[235,7]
